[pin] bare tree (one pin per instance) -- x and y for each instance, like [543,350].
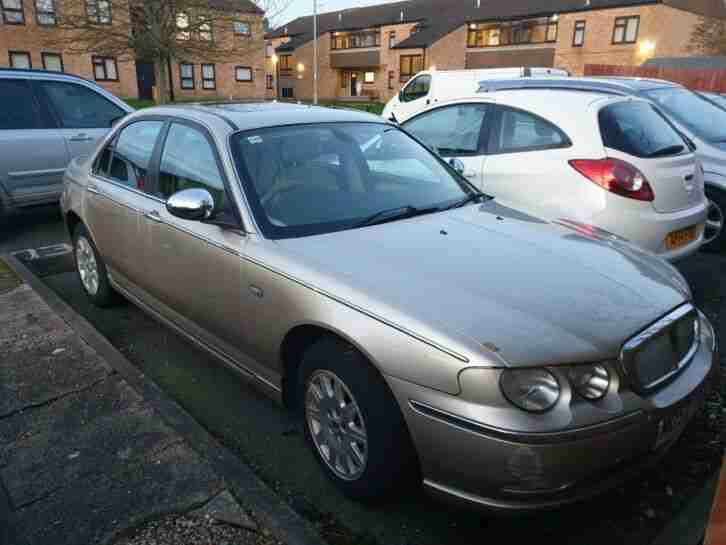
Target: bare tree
[163,30]
[708,36]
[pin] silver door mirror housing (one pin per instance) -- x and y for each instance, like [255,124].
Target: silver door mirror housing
[457,165]
[191,204]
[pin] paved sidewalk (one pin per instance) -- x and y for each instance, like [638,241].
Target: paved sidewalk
[85,455]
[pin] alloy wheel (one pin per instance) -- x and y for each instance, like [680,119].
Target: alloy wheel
[714,222]
[87,265]
[336,425]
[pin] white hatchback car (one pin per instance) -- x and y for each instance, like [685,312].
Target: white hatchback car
[613,163]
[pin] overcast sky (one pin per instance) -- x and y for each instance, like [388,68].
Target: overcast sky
[298,8]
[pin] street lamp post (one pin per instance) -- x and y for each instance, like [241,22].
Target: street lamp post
[315,51]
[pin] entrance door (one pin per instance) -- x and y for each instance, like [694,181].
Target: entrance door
[353,84]
[146,79]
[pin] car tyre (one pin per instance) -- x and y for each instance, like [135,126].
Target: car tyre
[717,209]
[353,423]
[91,269]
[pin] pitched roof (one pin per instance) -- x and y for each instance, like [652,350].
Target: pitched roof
[242,6]
[437,17]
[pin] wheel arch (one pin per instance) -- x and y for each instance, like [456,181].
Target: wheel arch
[72,220]
[298,339]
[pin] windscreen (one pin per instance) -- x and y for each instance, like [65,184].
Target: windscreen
[691,110]
[312,179]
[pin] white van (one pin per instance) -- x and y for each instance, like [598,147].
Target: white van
[428,87]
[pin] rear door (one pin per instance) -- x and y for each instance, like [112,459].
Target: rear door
[457,132]
[84,116]
[33,154]
[634,131]
[116,197]
[527,159]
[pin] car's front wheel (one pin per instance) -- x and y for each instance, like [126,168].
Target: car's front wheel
[715,234]
[91,269]
[353,423]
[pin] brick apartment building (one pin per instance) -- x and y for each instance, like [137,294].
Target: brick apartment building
[371,52]
[28,29]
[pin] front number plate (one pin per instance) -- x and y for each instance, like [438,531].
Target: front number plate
[670,426]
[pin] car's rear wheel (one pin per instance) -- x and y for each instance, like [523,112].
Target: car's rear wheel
[91,269]
[353,423]
[714,233]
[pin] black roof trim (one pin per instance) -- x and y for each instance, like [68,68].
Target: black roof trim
[41,71]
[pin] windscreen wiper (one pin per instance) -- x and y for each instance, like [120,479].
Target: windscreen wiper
[474,197]
[393,214]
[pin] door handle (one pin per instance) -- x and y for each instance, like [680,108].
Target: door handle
[154,216]
[93,189]
[83,137]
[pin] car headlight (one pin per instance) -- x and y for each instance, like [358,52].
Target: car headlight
[532,390]
[590,381]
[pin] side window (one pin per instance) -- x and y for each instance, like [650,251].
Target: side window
[520,131]
[17,106]
[188,162]
[127,161]
[418,88]
[79,107]
[452,130]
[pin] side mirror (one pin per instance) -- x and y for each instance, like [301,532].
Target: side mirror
[191,204]
[457,165]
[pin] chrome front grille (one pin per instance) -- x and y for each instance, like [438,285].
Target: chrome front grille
[662,350]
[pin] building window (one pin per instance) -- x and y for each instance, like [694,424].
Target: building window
[270,81]
[205,29]
[242,29]
[182,23]
[99,11]
[186,75]
[269,50]
[578,37]
[369,77]
[105,68]
[12,12]
[20,59]
[285,65]
[288,92]
[410,65]
[355,40]
[52,62]
[530,31]
[45,12]
[243,73]
[209,76]
[344,77]
[625,30]
[391,39]
[391,76]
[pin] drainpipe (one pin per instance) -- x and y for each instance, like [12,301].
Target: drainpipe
[171,79]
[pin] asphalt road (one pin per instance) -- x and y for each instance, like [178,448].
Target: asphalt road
[270,439]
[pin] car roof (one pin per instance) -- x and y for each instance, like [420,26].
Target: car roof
[38,73]
[604,85]
[245,116]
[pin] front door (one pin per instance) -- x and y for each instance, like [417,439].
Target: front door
[85,116]
[458,133]
[33,154]
[193,269]
[354,84]
[146,78]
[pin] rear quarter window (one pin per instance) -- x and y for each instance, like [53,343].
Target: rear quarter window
[637,129]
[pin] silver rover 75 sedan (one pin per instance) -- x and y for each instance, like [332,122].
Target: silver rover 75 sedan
[426,332]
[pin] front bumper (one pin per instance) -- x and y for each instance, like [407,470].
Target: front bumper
[488,467]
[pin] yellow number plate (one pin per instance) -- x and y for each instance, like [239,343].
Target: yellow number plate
[676,239]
